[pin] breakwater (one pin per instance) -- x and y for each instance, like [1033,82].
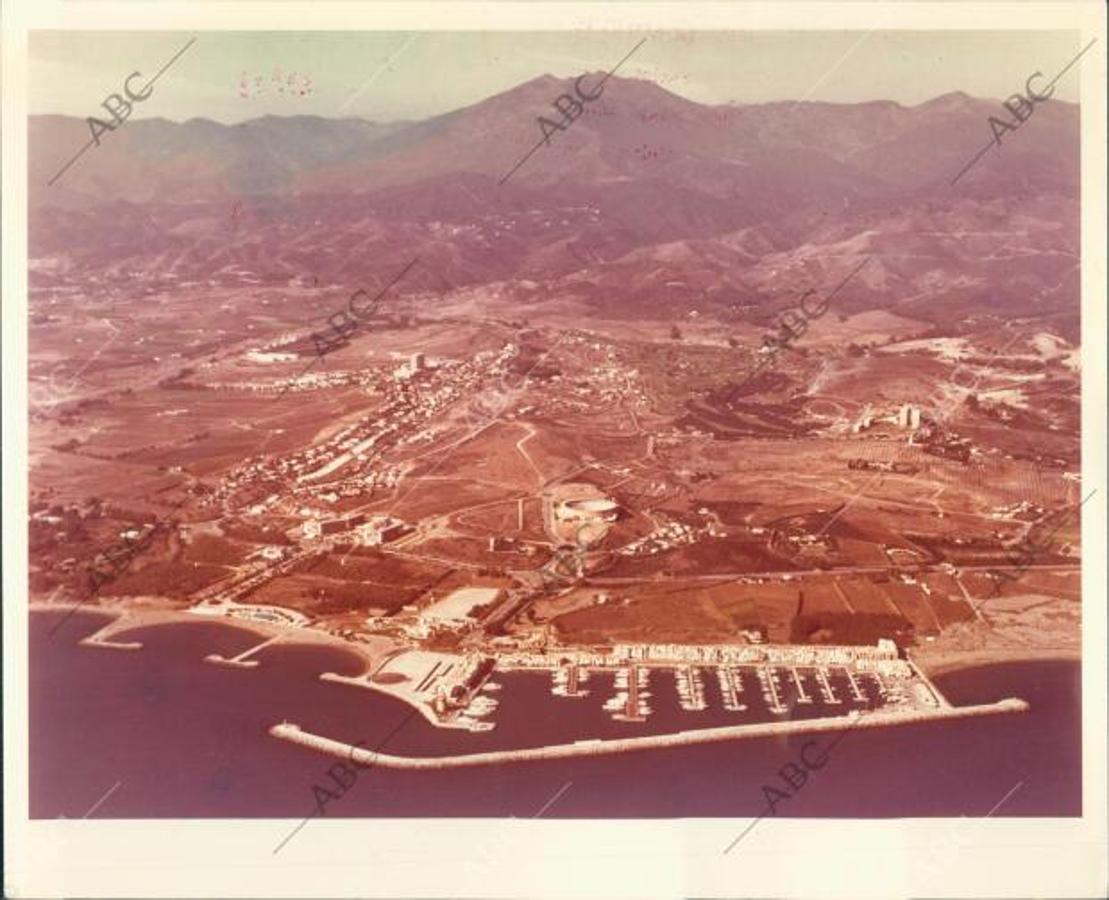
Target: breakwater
[597,747]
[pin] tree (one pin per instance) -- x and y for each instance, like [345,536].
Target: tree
[675,333]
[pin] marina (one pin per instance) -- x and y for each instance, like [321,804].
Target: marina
[825,687]
[856,692]
[567,681]
[802,697]
[691,688]
[731,686]
[629,704]
[784,689]
[454,692]
[286,687]
[768,678]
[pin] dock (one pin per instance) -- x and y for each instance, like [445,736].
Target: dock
[632,710]
[856,691]
[102,637]
[731,686]
[802,697]
[635,707]
[691,689]
[243,660]
[826,686]
[93,641]
[569,681]
[769,679]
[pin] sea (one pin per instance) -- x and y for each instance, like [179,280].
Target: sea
[159,733]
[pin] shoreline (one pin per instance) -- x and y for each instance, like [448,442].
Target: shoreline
[127,619]
[932,663]
[947,662]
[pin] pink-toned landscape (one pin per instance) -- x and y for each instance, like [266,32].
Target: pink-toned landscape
[562,438]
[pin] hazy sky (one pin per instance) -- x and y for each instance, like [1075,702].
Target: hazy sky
[410,75]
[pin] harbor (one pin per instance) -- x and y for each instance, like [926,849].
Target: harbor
[794,691]
[643,690]
[629,704]
[286,687]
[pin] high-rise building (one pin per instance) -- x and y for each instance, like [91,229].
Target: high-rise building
[417,362]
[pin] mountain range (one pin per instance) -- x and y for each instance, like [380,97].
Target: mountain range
[646,203]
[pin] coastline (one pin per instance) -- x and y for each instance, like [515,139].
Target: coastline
[933,662]
[938,663]
[124,620]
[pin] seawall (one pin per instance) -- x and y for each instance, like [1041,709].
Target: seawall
[879,719]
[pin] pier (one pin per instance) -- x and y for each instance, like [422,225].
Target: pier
[572,679]
[632,709]
[856,691]
[635,706]
[93,641]
[594,747]
[730,688]
[769,679]
[802,697]
[243,660]
[826,687]
[103,637]
[691,689]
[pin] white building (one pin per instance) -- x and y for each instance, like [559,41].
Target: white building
[908,416]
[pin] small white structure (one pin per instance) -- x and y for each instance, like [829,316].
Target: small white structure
[908,416]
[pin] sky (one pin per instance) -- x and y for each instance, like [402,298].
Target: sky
[390,76]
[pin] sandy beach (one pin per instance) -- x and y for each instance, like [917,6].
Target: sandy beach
[127,619]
